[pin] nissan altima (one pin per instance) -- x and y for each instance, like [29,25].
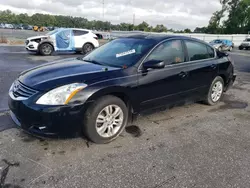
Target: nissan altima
[98,93]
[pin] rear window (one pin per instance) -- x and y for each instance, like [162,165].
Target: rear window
[210,52]
[79,32]
[197,51]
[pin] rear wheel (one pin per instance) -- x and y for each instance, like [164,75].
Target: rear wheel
[46,49]
[240,48]
[105,119]
[87,48]
[215,91]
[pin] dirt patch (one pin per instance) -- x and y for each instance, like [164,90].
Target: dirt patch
[16,42]
[3,39]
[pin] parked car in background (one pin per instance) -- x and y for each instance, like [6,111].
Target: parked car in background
[98,93]
[222,44]
[50,28]
[27,27]
[78,40]
[8,26]
[245,44]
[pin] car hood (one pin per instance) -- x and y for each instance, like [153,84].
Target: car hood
[51,75]
[245,43]
[37,37]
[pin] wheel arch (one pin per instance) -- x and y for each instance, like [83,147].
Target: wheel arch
[88,43]
[46,41]
[118,91]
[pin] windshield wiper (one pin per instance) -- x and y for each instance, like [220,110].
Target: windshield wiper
[92,61]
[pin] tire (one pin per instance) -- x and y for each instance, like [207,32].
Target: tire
[90,125]
[240,48]
[46,49]
[87,48]
[209,99]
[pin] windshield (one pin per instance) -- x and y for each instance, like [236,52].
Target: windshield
[217,41]
[248,40]
[121,52]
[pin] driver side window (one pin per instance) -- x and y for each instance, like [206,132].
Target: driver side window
[170,52]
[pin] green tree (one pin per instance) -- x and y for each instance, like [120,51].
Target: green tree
[160,28]
[143,26]
[187,31]
[215,20]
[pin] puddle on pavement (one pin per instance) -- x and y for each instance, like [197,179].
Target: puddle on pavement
[134,130]
[242,116]
[231,104]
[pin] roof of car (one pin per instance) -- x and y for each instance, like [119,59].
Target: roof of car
[156,37]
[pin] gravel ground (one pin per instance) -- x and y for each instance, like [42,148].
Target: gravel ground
[191,146]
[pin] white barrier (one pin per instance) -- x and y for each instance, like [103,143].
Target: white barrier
[235,38]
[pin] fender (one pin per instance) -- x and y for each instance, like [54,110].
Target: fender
[46,41]
[91,94]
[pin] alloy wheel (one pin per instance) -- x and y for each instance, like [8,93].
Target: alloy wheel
[88,48]
[109,121]
[217,91]
[46,48]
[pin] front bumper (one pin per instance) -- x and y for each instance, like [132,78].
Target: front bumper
[31,46]
[47,120]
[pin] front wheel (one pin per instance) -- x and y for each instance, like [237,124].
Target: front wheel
[46,49]
[215,91]
[105,119]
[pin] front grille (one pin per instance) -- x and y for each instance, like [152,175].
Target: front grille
[20,90]
[27,42]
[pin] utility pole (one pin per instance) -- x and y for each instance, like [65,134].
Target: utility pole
[103,9]
[133,19]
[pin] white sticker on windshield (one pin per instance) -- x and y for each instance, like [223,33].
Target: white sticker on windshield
[125,53]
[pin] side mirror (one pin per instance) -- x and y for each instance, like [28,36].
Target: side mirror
[153,64]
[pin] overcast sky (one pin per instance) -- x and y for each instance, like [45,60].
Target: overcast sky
[177,14]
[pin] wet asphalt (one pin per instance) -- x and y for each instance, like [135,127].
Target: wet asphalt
[188,146]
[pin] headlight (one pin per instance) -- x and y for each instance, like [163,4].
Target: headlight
[61,95]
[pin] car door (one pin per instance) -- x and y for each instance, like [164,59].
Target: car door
[79,38]
[202,67]
[64,40]
[167,85]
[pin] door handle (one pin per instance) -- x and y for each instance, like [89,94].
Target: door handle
[182,74]
[213,66]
